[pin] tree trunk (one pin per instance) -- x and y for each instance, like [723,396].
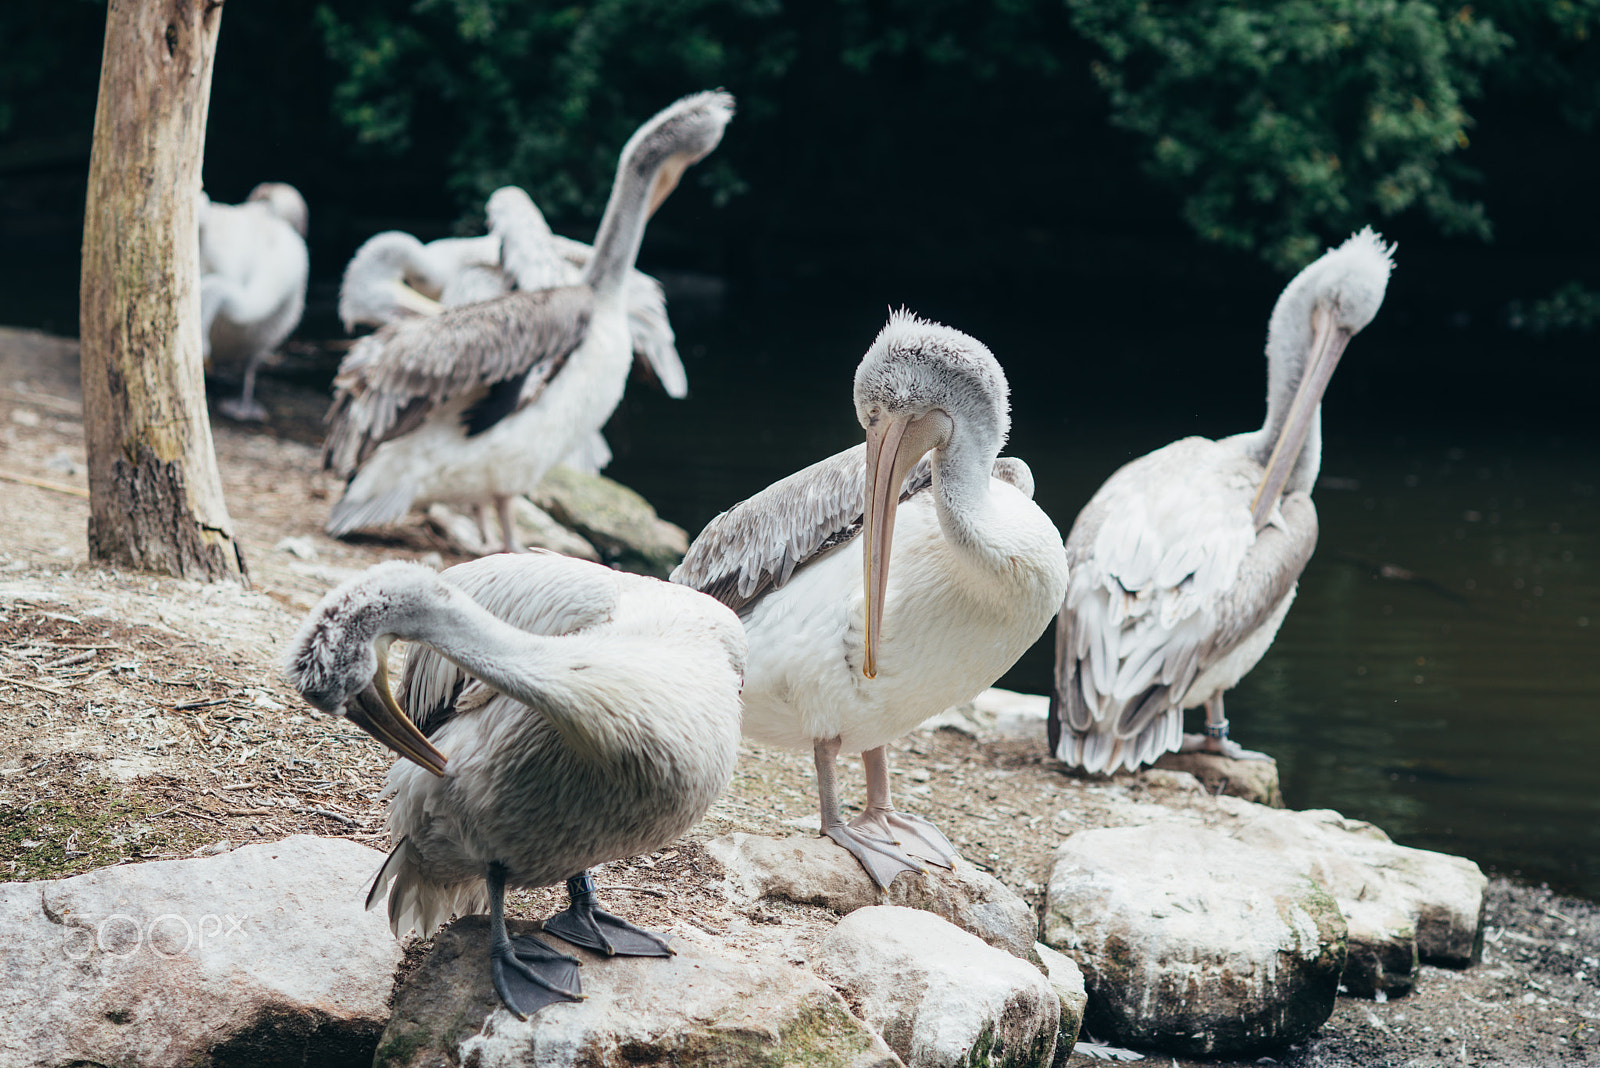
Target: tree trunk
[155,495]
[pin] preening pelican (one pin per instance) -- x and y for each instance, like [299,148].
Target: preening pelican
[478,402]
[846,654]
[557,715]
[1184,563]
[253,270]
[394,276]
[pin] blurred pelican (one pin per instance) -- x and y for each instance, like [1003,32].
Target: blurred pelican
[253,270]
[847,655]
[478,402]
[1185,562]
[557,715]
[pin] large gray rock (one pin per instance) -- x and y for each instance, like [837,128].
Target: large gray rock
[1393,894]
[693,1008]
[1066,979]
[940,997]
[1194,943]
[614,519]
[260,956]
[812,870]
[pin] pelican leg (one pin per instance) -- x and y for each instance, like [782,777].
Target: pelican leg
[245,408]
[583,924]
[877,852]
[528,973]
[508,524]
[1215,739]
[917,836]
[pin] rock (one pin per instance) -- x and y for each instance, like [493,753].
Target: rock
[940,997]
[1251,780]
[1066,979]
[302,547]
[693,1008]
[618,522]
[461,532]
[1194,943]
[812,870]
[259,956]
[994,715]
[539,530]
[1439,897]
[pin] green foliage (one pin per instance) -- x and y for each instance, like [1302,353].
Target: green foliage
[539,94]
[1556,56]
[1286,123]
[1572,307]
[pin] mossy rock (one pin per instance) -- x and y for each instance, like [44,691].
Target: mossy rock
[618,522]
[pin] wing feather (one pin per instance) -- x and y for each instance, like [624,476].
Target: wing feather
[392,380]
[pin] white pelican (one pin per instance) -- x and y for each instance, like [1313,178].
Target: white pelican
[573,715]
[253,270]
[847,655]
[395,276]
[478,402]
[1184,563]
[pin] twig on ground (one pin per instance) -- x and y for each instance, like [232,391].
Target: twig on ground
[44,484]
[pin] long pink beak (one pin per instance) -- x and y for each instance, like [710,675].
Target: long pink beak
[1327,345]
[887,467]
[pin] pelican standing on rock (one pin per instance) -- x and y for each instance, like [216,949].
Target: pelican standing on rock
[478,402]
[253,271]
[846,654]
[557,715]
[1184,563]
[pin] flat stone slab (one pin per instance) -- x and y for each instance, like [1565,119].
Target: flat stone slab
[939,996]
[259,956]
[692,1008]
[1193,943]
[811,870]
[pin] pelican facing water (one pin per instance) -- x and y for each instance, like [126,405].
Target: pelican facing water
[557,715]
[849,654]
[1184,563]
[478,402]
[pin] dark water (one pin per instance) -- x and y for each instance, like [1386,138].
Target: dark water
[1439,674]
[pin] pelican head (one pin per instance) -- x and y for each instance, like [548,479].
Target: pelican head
[679,136]
[375,288]
[338,660]
[1320,310]
[284,201]
[921,388]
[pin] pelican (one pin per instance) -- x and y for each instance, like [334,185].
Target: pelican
[847,655]
[395,276]
[1184,563]
[557,715]
[253,270]
[478,402]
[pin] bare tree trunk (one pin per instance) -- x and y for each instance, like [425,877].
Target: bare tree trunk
[155,495]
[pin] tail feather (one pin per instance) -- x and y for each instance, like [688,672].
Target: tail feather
[352,513]
[416,903]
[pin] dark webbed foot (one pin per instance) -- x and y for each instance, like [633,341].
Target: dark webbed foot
[530,974]
[585,924]
[914,835]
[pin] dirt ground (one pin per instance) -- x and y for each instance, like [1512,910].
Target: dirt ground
[145,720]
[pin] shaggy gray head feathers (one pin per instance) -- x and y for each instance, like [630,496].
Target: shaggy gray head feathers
[915,366]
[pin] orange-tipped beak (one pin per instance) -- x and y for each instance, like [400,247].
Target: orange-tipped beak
[374,710]
[1327,345]
[888,463]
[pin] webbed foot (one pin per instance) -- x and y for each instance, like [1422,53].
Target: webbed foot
[914,835]
[530,974]
[883,859]
[585,924]
[1205,743]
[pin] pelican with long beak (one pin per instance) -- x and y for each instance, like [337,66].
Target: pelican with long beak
[1185,562]
[847,653]
[555,714]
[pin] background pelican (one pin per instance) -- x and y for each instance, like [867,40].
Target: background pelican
[395,276]
[844,653]
[253,271]
[478,402]
[573,714]
[1184,563]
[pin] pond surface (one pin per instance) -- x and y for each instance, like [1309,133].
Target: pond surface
[1439,673]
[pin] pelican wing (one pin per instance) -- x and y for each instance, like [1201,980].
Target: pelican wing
[494,357]
[540,592]
[756,545]
[655,347]
[1168,578]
